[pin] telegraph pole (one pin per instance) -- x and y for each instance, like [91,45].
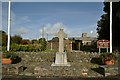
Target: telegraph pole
[8,43]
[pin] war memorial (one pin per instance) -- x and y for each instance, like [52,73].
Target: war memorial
[50,65]
[62,57]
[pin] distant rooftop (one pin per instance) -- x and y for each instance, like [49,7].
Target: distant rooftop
[84,37]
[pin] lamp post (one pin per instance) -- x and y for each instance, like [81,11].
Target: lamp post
[8,43]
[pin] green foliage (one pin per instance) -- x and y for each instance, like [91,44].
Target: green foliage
[102,29]
[16,39]
[4,48]
[35,41]
[9,54]
[29,48]
[13,56]
[43,44]
[24,48]
[4,38]
[103,24]
[17,44]
[15,47]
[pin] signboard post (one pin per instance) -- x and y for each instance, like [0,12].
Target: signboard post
[103,44]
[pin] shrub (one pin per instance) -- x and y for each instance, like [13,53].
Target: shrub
[4,48]
[24,48]
[108,57]
[15,47]
[12,56]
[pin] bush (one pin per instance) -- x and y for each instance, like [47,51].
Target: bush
[30,48]
[15,47]
[4,48]
[24,48]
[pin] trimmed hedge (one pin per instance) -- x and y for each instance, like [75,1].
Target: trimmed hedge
[26,48]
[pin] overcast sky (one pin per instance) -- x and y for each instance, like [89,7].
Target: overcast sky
[28,18]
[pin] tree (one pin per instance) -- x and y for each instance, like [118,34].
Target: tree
[43,43]
[103,27]
[103,24]
[34,41]
[16,39]
[26,41]
[3,35]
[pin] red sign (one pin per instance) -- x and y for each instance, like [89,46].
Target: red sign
[103,44]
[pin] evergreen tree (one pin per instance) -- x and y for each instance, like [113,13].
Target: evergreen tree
[3,38]
[43,43]
[103,24]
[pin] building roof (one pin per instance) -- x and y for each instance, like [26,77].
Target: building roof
[83,38]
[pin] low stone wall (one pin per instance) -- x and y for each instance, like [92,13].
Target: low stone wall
[39,64]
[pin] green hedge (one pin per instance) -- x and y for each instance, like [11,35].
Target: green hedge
[26,48]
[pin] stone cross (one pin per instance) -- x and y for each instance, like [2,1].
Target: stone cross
[61,56]
[61,35]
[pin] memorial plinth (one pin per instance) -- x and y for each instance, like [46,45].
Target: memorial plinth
[61,59]
[61,56]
